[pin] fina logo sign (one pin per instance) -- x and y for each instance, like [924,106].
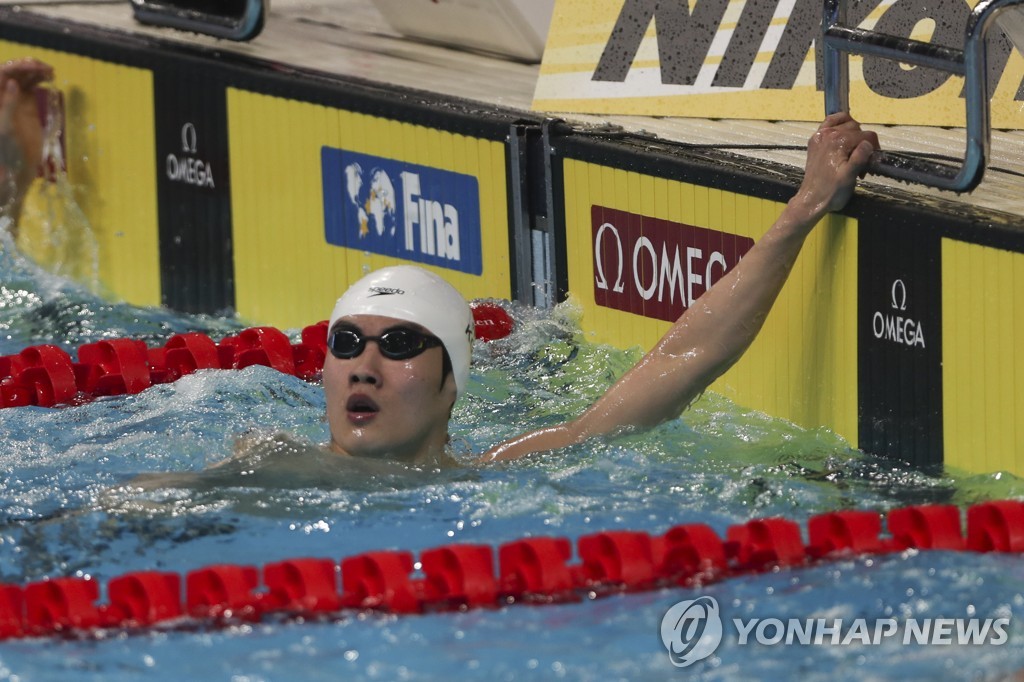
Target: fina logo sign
[403,210]
[657,268]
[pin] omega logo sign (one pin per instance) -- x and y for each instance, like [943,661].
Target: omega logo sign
[895,325]
[657,268]
[187,168]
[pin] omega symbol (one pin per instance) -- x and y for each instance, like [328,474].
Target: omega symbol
[601,280]
[899,295]
[189,139]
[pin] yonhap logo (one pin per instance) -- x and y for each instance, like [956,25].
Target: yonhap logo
[403,210]
[691,630]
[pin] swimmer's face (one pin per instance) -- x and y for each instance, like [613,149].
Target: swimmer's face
[379,407]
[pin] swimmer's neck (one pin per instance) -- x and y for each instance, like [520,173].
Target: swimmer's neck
[428,454]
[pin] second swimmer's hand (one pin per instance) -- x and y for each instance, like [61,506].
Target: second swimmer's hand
[19,116]
[26,71]
[837,154]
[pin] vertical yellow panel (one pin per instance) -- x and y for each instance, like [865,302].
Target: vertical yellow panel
[602,328]
[956,352]
[689,201]
[701,209]
[592,188]
[975,384]
[714,209]
[988,279]
[1016,302]
[983,399]
[111,166]
[659,189]
[952,410]
[615,187]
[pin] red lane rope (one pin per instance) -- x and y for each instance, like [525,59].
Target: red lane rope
[46,375]
[534,570]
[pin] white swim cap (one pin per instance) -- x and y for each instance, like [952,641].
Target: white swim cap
[410,293]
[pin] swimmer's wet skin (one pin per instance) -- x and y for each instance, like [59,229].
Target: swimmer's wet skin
[21,132]
[397,405]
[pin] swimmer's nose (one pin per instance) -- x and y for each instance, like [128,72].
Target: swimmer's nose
[361,376]
[364,368]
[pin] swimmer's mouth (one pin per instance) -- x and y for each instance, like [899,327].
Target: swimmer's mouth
[361,404]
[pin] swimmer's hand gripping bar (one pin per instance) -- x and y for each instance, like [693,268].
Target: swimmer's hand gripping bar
[839,41]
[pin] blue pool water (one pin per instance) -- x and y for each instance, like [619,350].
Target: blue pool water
[66,510]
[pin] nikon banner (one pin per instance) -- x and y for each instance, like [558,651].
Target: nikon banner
[759,59]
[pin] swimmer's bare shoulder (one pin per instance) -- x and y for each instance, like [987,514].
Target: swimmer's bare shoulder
[249,443]
[284,460]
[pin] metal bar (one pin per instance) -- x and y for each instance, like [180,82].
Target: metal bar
[903,50]
[837,66]
[839,41]
[521,247]
[245,26]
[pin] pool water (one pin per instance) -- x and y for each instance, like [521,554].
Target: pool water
[67,509]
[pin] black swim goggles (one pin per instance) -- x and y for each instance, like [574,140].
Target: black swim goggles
[400,343]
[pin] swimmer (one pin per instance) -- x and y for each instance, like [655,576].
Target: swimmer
[399,339]
[21,132]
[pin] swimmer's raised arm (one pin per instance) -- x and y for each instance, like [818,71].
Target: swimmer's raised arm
[716,330]
[21,133]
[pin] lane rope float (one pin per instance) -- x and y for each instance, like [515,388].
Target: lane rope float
[458,577]
[47,376]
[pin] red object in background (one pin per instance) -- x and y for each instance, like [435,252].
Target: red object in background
[691,551]
[223,590]
[48,373]
[996,527]
[490,321]
[124,364]
[12,611]
[459,576]
[845,531]
[61,604]
[462,576]
[302,585]
[189,352]
[932,526]
[315,335]
[536,569]
[264,346]
[145,597]
[763,543]
[629,559]
[380,580]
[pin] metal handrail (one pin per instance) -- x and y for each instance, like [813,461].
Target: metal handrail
[840,40]
[246,26]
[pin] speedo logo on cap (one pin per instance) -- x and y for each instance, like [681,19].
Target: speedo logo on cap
[384,291]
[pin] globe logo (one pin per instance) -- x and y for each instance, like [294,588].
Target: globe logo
[374,201]
[691,630]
